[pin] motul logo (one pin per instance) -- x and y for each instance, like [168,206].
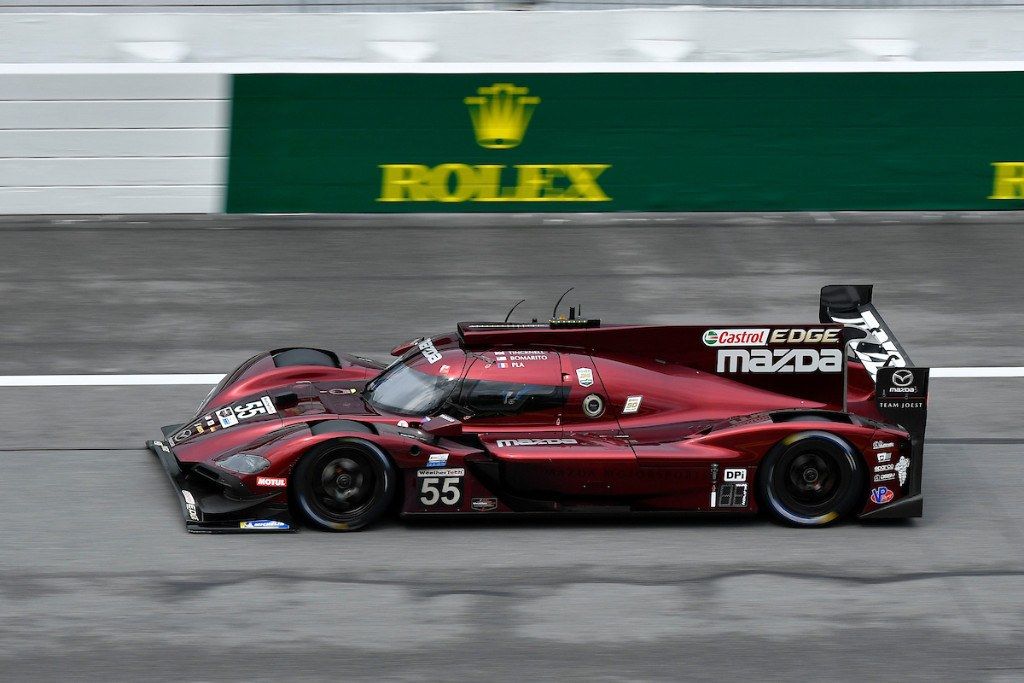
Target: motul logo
[780,360]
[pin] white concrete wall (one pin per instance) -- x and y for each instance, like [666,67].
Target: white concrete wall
[685,33]
[128,112]
[130,143]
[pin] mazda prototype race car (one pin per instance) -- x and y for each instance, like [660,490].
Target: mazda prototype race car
[810,423]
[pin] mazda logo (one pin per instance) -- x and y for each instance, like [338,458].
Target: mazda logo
[903,378]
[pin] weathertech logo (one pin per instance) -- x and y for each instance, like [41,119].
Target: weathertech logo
[500,114]
[780,360]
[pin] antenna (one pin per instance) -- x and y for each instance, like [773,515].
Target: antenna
[512,309]
[554,313]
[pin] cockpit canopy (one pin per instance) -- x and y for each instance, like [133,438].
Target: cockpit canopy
[428,381]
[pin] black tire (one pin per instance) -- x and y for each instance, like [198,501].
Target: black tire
[343,485]
[811,479]
[304,357]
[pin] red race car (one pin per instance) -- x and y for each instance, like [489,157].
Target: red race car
[810,423]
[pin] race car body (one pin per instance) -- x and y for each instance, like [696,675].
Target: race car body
[808,422]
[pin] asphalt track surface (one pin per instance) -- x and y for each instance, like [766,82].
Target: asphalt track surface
[99,581]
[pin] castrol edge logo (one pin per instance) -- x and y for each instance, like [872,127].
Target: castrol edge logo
[763,336]
[776,360]
[736,337]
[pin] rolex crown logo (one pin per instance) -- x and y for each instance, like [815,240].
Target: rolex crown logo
[500,114]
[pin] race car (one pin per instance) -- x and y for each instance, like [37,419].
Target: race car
[809,423]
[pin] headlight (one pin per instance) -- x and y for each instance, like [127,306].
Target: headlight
[244,463]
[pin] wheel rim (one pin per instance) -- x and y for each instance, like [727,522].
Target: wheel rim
[809,482]
[343,483]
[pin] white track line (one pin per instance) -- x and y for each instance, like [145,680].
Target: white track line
[978,372]
[209,380]
[104,380]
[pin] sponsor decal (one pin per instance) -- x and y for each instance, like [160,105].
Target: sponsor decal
[431,354]
[903,378]
[447,472]
[162,446]
[884,468]
[437,460]
[736,337]
[906,405]
[229,416]
[276,482]
[440,487]
[780,360]
[739,474]
[190,505]
[504,443]
[884,457]
[500,114]
[731,496]
[763,336]
[902,465]
[818,335]
[881,495]
[263,524]
[883,444]
[632,405]
[886,476]
[867,349]
[484,504]
[585,377]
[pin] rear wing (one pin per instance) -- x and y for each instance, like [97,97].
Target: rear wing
[867,334]
[901,389]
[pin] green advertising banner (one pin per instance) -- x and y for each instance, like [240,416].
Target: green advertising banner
[626,142]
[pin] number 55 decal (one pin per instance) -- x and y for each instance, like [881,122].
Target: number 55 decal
[440,487]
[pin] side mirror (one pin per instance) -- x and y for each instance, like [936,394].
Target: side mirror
[441,425]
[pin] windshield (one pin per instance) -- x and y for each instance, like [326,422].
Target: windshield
[414,386]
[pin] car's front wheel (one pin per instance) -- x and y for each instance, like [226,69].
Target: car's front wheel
[811,479]
[343,485]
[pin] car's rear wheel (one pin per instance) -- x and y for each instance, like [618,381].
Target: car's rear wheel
[811,479]
[343,485]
